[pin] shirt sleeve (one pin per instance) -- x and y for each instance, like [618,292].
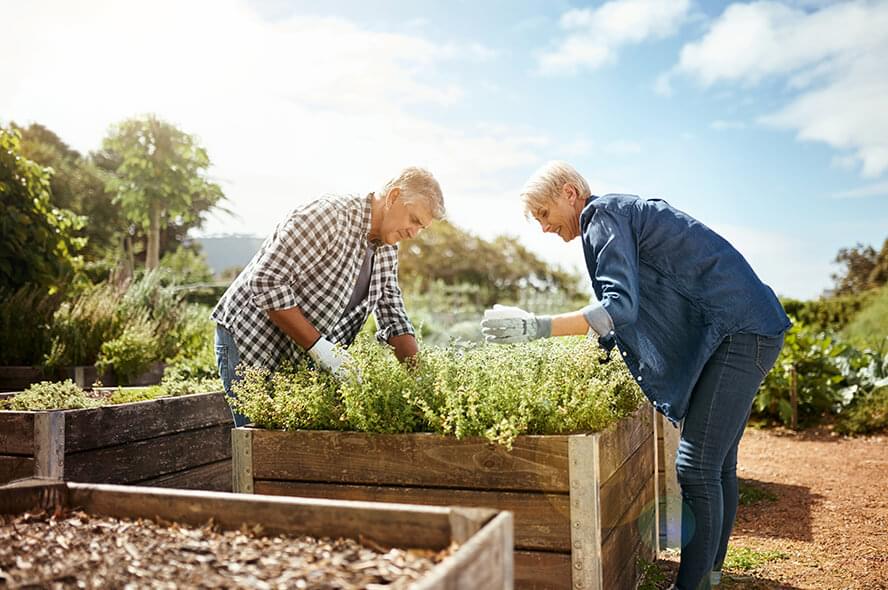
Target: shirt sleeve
[615,244]
[299,244]
[391,317]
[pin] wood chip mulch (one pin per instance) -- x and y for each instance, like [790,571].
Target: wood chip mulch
[73,549]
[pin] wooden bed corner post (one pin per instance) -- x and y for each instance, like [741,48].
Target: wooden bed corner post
[49,444]
[242,461]
[585,512]
[656,449]
[671,436]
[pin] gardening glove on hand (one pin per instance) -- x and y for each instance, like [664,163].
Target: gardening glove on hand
[510,325]
[333,358]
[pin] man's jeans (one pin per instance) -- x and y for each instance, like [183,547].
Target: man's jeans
[227,359]
[706,460]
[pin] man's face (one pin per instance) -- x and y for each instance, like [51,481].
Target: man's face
[402,220]
[559,216]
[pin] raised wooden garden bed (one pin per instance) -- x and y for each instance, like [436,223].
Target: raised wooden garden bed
[482,560]
[182,442]
[19,378]
[584,504]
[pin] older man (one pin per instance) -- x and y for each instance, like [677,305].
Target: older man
[320,274]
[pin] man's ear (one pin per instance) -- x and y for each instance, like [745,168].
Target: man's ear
[392,196]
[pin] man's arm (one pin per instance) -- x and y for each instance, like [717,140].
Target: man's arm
[293,324]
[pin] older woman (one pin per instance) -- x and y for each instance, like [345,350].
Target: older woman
[319,275]
[690,319]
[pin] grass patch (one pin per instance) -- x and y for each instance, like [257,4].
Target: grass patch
[753,494]
[744,559]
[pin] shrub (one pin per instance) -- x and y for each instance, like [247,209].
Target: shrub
[132,352]
[82,324]
[830,314]
[869,328]
[865,395]
[499,392]
[25,316]
[46,396]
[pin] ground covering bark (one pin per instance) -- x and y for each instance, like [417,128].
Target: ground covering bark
[822,521]
[76,550]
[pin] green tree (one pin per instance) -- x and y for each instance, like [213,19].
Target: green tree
[864,268]
[159,178]
[79,185]
[38,242]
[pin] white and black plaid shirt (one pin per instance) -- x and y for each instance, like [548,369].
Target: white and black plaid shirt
[311,261]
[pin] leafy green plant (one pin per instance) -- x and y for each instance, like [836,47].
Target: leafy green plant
[651,576]
[46,395]
[814,357]
[544,387]
[25,315]
[869,328]
[744,559]
[865,395]
[130,353]
[82,324]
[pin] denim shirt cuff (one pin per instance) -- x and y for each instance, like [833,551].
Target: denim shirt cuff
[598,318]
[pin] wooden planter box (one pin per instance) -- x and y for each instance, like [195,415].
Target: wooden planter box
[484,559]
[19,378]
[181,442]
[584,505]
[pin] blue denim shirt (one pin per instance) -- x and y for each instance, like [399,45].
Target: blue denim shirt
[674,290]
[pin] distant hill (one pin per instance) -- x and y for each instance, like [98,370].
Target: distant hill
[225,252]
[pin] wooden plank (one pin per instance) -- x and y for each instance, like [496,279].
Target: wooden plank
[542,521]
[620,441]
[17,433]
[212,477]
[585,513]
[242,460]
[14,467]
[112,425]
[483,561]
[655,436]
[425,527]
[537,463]
[537,570]
[14,378]
[636,528]
[32,495]
[154,457]
[672,501]
[49,444]
[632,476]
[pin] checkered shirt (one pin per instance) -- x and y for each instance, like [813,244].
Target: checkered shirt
[311,261]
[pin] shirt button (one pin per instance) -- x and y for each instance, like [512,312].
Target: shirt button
[624,353]
[639,378]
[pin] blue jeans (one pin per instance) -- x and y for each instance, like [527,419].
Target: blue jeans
[227,359]
[706,461]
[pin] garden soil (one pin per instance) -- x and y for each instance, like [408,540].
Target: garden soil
[829,521]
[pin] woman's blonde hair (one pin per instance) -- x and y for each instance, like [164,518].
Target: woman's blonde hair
[546,184]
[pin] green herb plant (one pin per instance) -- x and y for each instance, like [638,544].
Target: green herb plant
[498,392]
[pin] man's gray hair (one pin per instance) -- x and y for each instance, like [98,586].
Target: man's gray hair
[418,186]
[546,184]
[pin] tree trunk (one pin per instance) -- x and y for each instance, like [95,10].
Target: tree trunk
[152,255]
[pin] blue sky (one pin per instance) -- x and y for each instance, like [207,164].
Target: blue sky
[766,120]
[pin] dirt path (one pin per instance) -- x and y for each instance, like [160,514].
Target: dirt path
[824,521]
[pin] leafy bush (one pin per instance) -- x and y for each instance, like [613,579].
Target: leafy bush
[829,314]
[865,395]
[81,325]
[814,357]
[25,315]
[869,328]
[545,387]
[46,396]
[132,352]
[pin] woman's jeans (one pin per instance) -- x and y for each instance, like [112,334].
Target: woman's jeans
[706,460]
[227,359]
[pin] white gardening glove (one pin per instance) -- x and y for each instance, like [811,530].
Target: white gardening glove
[332,358]
[509,325]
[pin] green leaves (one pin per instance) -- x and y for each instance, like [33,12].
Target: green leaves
[498,392]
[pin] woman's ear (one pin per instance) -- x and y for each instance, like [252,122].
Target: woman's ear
[570,192]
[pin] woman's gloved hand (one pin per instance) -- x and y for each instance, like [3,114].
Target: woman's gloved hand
[509,325]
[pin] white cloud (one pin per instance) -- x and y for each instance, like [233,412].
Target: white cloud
[288,109]
[879,189]
[724,125]
[594,36]
[833,60]
[623,147]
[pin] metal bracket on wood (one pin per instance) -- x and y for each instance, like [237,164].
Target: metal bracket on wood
[49,444]
[242,460]
[585,513]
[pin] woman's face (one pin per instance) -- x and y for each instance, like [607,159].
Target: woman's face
[560,215]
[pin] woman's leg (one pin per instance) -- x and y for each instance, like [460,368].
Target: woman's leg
[719,408]
[227,359]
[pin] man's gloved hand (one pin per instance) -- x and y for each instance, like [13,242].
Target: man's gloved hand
[510,325]
[333,358]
